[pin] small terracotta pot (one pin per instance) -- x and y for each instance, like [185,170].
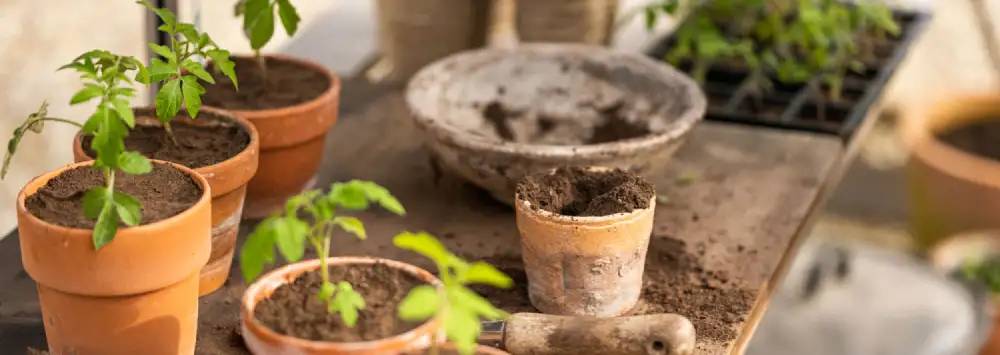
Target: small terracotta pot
[136,295]
[585,266]
[228,179]
[291,143]
[951,253]
[262,340]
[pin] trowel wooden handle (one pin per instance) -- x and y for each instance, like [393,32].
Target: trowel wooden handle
[534,333]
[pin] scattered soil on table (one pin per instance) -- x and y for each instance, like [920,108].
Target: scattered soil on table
[198,145]
[676,282]
[286,84]
[980,138]
[579,192]
[294,310]
[163,193]
[610,125]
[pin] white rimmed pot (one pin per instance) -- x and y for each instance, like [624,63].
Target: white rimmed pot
[584,266]
[262,340]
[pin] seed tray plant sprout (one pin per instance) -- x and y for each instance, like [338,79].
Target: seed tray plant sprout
[459,308]
[290,232]
[106,79]
[258,22]
[790,40]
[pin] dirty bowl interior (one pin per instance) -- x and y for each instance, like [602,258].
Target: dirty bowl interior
[494,115]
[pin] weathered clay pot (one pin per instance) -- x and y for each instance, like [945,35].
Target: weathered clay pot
[951,253]
[262,340]
[291,143]
[414,33]
[581,21]
[449,98]
[950,190]
[136,295]
[228,179]
[585,266]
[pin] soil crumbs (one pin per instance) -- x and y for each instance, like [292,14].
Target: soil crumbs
[609,125]
[196,145]
[575,191]
[164,192]
[294,310]
[286,84]
[980,138]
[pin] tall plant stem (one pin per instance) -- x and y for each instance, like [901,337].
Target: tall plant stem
[62,120]
[170,132]
[262,63]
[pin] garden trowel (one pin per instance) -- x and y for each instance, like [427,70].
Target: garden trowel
[535,333]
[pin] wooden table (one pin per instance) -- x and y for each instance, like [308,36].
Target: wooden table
[740,198]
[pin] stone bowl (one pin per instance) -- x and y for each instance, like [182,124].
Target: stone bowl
[494,115]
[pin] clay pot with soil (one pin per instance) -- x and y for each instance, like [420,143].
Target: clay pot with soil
[974,257]
[221,147]
[282,315]
[292,106]
[139,292]
[584,237]
[493,116]
[954,167]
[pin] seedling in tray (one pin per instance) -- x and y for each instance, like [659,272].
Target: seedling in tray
[258,22]
[791,40]
[290,233]
[458,307]
[105,78]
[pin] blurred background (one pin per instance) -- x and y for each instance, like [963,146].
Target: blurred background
[861,283]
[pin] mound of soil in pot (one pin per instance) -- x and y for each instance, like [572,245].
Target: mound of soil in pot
[980,138]
[285,84]
[294,310]
[602,124]
[163,193]
[580,192]
[196,146]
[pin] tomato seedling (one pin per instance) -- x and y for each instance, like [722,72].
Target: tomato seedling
[459,308]
[289,232]
[258,22]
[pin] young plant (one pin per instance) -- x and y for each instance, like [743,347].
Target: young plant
[105,78]
[178,67]
[791,40]
[258,22]
[458,307]
[986,271]
[290,233]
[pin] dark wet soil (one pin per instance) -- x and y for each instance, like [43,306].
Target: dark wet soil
[580,192]
[285,84]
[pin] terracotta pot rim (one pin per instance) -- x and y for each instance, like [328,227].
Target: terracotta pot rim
[206,196]
[312,104]
[603,221]
[920,135]
[273,279]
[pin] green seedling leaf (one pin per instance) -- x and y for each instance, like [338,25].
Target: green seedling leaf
[163,51]
[347,302]
[192,92]
[197,70]
[424,244]
[351,225]
[89,92]
[168,100]
[221,61]
[421,303]
[258,22]
[380,195]
[290,236]
[348,195]
[158,71]
[289,16]
[165,15]
[482,273]
[326,291]
[34,123]
[258,250]
[94,201]
[475,304]
[134,163]
[106,225]
[128,208]
[124,110]
[462,328]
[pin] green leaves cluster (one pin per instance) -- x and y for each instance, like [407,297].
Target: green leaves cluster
[312,217]
[178,67]
[258,19]
[459,307]
[791,40]
[986,271]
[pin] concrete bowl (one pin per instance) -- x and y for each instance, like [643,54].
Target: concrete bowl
[492,116]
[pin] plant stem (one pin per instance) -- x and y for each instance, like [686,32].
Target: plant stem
[324,253]
[170,132]
[262,63]
[63,120]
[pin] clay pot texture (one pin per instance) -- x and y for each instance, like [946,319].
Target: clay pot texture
[228,179]
[136,295]
[262,340]
[583,266]
[291,143]
[414,33]
[446,100]
[953,252]
[950,190]
[587,21]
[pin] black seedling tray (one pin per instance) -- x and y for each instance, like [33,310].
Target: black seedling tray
[795,106]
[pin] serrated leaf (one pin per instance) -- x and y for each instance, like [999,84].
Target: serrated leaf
[351,225]
[192,95]
[348,195]
[424,244]
[419,304]
[168,100]
[258,22]
[106,226]
[159,70]
[198,70]
[221,61]
[88,92]
[290,235]
[109,134]
[326,291]
[124,111]
[163,51]
[464,298]
[289,16]
[165,15]
[258,250]
[483,273]
[134,163]
[380,195]
[93,201]
[347,302]
[128,208]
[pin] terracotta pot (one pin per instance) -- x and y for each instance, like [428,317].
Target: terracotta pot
[952,252]
[291,143]
[136,295]
[262,340]
[228,179]
[950,190]
[585,266]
